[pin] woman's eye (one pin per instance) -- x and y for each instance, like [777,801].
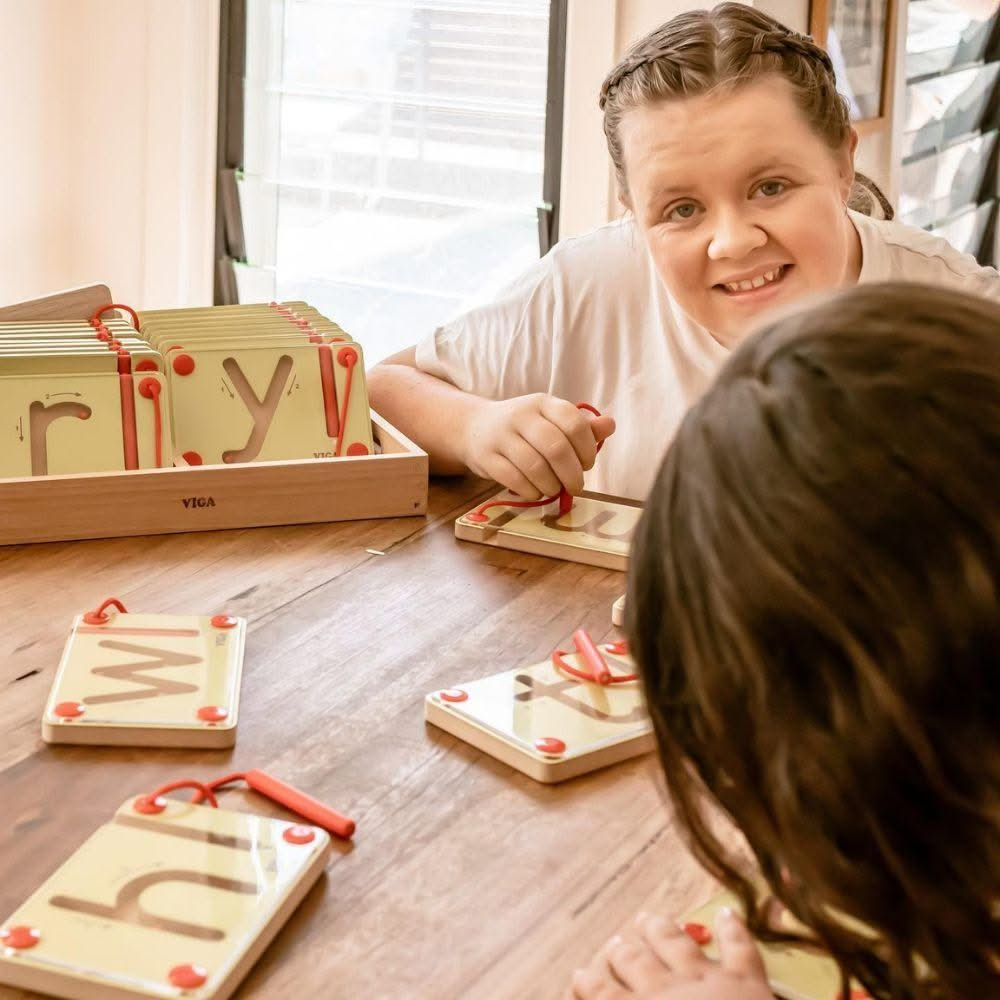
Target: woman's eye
[682,212]
[771,188]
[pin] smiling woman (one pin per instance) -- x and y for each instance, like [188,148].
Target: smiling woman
[740,201]
[734,152]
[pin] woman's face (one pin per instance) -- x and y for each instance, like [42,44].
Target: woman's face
[741,203]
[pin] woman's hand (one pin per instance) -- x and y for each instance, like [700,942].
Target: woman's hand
[534,445]
[661,962]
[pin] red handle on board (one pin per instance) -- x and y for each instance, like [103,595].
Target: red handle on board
[595,662]
[305,805]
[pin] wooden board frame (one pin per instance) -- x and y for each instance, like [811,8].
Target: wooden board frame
[481,716]
[533,765]
[819,23]
[487,534]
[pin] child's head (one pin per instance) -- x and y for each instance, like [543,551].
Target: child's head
[735,152]
[814,604]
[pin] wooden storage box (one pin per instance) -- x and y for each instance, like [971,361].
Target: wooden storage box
[206,497]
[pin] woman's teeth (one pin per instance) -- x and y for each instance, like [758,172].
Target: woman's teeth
[751,283]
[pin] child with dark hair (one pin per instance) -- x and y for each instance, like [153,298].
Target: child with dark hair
[814,603]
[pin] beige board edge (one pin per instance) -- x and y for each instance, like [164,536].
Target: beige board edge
[618,612]
[218,738]
[500,539]
[28,977]
[291,903]
[546,772]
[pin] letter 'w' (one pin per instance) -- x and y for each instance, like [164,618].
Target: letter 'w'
[136,673]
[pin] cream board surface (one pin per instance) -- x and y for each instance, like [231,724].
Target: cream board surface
[68,423]
[597,531]
[151,902]
[793,973]
[266,403]
[148,680]
[515,716]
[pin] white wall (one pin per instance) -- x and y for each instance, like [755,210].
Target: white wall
[32,192]
[108,109]
[597,35]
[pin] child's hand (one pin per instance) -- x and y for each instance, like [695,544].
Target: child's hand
[663,963]
[534,445]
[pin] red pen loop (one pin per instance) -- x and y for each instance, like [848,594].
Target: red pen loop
[598,671]
[202,791]
[99,616]
[115,305]
[563,496]
[269,786]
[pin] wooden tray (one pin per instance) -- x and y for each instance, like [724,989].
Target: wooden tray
[207,497]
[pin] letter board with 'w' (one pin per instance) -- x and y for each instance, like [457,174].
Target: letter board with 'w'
[148,680]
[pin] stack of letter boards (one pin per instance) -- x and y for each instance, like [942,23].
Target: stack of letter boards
[226,384]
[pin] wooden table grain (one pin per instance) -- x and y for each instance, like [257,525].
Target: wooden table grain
[465,878]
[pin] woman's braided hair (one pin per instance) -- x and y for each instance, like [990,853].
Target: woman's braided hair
[704,50]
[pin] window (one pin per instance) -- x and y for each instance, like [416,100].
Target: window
[394,156]
[948,178]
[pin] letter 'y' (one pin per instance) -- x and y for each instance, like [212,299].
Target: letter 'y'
[261,410]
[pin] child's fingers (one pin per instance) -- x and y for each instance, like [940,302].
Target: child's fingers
[592,984]
[602,427]
[510,476]
[672,946]
[738,952]
[638,966]
[532,465]
[574,425]
[550,442]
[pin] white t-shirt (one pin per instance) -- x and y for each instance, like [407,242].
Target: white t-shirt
[591,322]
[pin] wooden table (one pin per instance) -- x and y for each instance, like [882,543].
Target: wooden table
[466,878]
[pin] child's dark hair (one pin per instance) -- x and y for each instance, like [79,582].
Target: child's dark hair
[814,604]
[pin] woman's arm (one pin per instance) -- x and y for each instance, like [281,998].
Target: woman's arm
[425,408]
[535,444]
